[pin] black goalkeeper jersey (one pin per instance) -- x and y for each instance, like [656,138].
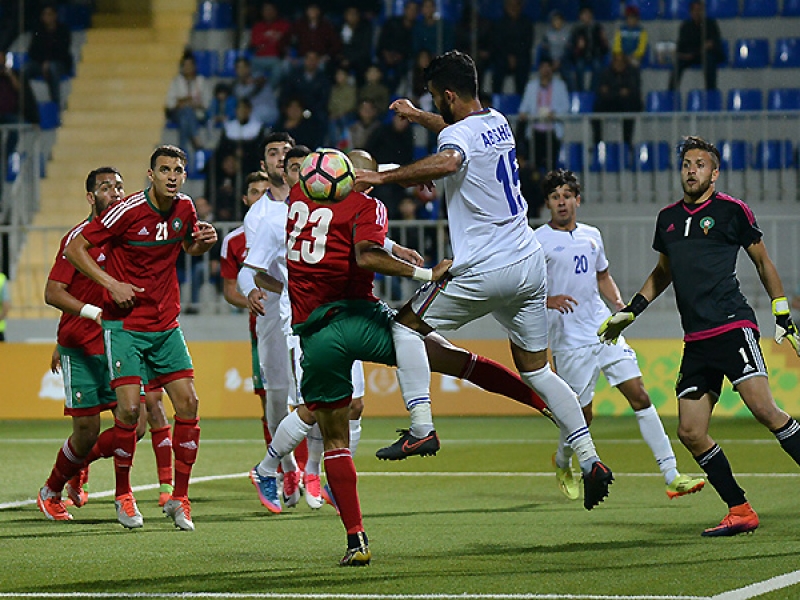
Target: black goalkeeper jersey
[702,243]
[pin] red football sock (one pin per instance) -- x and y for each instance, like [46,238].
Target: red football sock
[185,444]
[301,455]
[341,474]
[267,434]
[494,377]
[67,466]
[162,448]
[103,447]
[124,447]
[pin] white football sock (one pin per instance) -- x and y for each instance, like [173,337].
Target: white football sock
[653,433]
[355,435]
[315,448]
[414,376]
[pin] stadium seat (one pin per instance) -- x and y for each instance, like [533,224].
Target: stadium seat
[198,163]
[751,53]
[607,157]
[659,101]
[488,9]
[605,10]
[571,157]
[760,8]
[207,62]
[49,117]
[733,154]
[450,10]
[783,99]
[214,15]
[14,166]
[649,9]
[791,8]
[644,157]
[16,60]
[773,155]
[228,66]
[722,9]
[508,104]
[740,100]
[787,52]
[676,9]
[581,102]
[76,16]
[704,101]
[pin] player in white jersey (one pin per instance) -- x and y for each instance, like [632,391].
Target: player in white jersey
[498,265]
[577,275]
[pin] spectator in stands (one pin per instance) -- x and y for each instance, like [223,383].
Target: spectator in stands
[268,39]
[314,33]
[242,137]
[545,100]
[556,39]
[244,84]
[394,46]
[512,43]
[375,91]
[425,35]
[618,90]
[586,52]
[223,105]
[17,104]
[359,132]
[631,38]
[5,304]
[481,34]
[188,99]
[356,34]
[341,105]
[299,123]
[699,43]
[311,84]
[258,90]
[223,179]
[203,270]
[392,142]
[49,53]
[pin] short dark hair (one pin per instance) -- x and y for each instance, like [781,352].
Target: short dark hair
[91,178]
[167,150]
[276,136]
[693,142]
[555,179]
[454,71]
[255,176]
[298,151]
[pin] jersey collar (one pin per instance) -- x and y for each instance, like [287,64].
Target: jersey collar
[154,207]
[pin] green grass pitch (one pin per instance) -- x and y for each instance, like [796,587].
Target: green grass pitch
[482,519]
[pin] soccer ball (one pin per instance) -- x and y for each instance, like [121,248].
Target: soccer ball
[327,174]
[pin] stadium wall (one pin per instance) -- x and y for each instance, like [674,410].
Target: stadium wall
[225,388]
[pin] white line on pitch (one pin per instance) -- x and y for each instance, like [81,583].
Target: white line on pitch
[762,587]
[276,596]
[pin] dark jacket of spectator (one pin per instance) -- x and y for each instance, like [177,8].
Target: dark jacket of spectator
[313,32]
[356,35]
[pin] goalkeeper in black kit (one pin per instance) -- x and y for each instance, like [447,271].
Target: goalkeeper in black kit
[698,239]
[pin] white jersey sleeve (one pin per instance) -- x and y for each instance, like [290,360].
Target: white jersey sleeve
[487,214]
[574,258]
[267,250]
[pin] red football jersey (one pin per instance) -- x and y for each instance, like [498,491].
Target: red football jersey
[142,245]
[321,249]
[75,331]
[233,253]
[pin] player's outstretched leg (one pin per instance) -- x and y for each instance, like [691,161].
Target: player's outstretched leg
[410,445]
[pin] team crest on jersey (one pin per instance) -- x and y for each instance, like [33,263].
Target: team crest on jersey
[706,223]
[176,224]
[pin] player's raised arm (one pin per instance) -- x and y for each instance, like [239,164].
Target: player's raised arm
[424,170]
[406,109]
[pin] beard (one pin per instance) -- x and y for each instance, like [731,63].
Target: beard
[700,189]
[447,114]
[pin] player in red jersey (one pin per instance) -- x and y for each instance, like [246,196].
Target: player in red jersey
[232,255]
[143,235]
[79,356]
[334,249]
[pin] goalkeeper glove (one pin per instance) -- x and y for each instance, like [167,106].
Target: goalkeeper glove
[785,329]
[612,327]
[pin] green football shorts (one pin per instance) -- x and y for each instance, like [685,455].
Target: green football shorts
[87,388]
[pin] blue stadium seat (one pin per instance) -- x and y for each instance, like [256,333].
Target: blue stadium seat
[227,67]
[214,15]
[581,102]
[488,9]
[751,53]
[451,10]
[648,9]
[676,9]
[76,16]
[704,101]
[197,164]
[659,101]
[420,152]
[733,154]
[571,157]
[787,52]
[49,117]
[644,157]
[508,104]
[783,99]
[773,155]
[760,8]
[607,157]
[722,9]
[740,100]
[14,166]
[606,10]
[17,60]
[207,62]
[791,8]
